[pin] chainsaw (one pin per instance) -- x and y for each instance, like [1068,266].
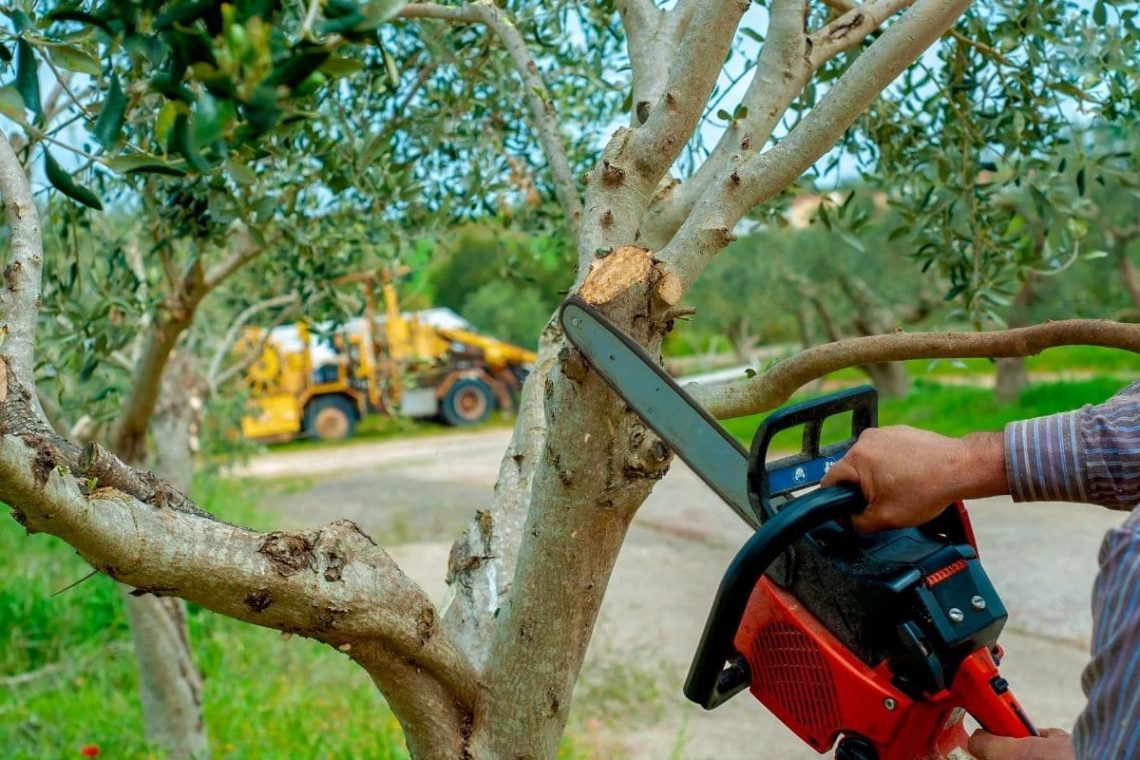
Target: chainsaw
[875,644]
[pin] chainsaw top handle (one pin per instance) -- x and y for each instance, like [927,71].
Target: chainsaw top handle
[768,481]
[710,682]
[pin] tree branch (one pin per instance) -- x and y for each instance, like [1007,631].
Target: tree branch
[776,386]
[246,250]
[652,37]
[780,75]
[847,31]
[128,435]
[20,293]
[635,161]
[543,117]
[332,584]
[733,194]
[787,61]
[841,6]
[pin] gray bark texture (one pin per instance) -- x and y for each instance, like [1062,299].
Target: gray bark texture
[170,688]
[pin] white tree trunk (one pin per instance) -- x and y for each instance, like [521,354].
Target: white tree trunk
[170,687]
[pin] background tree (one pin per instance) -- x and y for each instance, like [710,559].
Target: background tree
[506,283]
[491,675]
[834,280]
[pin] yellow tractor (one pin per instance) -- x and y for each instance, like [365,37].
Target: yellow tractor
[320,381]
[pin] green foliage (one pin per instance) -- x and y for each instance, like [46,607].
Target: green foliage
[505,283]
[508,312]
[984,150]
[783,284]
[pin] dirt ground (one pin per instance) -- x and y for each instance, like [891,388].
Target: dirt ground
[415,496]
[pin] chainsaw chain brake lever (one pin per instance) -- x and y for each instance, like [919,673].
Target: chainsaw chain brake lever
[717,672]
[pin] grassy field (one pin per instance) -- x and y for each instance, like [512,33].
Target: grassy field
[68,679]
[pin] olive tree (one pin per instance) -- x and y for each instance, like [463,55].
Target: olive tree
[491,672]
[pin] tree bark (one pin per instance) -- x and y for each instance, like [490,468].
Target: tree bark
[890,378]
[170,687]
[1010,379]
[597,465]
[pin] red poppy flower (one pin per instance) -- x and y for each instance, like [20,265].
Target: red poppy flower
[89,751]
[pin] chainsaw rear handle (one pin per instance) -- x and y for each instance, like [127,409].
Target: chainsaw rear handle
[710,682]
[767,480]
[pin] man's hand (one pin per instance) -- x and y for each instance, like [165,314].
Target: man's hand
[1053,744]
[909,476]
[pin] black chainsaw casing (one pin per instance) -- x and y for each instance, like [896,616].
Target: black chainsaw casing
[886,595]
[871,592]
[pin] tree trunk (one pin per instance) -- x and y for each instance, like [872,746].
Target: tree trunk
[169,683]
[742,340]
[1128,274]
[890,378]
[170,688]
[803,327]
[1011,379]
[1011,376]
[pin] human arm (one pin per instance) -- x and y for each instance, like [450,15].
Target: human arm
[1089,455]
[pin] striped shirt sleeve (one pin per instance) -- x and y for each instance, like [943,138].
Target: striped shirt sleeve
[1109,727]
[1091,455]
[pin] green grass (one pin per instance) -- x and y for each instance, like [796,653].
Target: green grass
[953,410]
[265,697]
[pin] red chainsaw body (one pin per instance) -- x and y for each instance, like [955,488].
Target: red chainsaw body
[820,690]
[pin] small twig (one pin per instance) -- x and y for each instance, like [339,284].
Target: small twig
[680,311]
[96,462]
[310,18]
[72,585]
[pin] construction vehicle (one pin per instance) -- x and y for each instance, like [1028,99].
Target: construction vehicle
[319,381]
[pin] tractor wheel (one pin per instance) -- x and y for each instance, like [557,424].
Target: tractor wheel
[468,402]
[331,418]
